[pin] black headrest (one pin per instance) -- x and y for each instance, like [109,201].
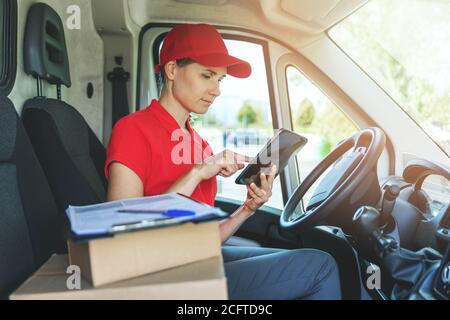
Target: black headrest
[8,123]
[45,51]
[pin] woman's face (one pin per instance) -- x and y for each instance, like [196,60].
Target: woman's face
[196,86]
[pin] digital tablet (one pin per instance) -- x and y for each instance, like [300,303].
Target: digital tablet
[277,151]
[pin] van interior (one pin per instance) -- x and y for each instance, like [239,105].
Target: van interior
[367,82]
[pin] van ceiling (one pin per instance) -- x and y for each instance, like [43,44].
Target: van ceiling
[300,21]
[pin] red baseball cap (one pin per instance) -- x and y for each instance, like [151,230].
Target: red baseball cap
[203,44]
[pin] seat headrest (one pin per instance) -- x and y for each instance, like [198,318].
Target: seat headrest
[45,51]
[8,126]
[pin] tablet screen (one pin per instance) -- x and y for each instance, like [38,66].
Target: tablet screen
[277,151]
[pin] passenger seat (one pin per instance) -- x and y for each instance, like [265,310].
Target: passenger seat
[70,154]
[29,225]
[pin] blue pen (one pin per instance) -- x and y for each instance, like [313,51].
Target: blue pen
[174,213]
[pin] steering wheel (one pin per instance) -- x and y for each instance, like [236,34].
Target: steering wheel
[345,178]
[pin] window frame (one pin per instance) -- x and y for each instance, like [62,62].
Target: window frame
[8,65]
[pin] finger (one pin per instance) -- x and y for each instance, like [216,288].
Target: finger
[222,174]
[242,158]
[257,200]
[272,175]
[261,193]
[231,169]
[226,172]
[254,188]
[273,170]
[228,157]
[264,182]
[254,195]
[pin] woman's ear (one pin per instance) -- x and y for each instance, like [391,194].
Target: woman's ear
[170,69]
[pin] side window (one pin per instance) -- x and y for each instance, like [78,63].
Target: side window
[240,118]
[316,117]
[8,34]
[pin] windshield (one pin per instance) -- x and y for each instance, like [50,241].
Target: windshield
[404,46]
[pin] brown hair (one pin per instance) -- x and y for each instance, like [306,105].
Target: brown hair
[181,63]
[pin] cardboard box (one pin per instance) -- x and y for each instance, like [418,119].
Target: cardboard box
[138,253]
[199,280]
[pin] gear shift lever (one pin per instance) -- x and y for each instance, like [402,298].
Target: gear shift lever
[390,195]
[368,221]
[405,267]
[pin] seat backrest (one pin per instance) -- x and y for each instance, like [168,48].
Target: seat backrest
[29,226]
[70,154]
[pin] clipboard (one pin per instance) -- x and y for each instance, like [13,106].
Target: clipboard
[106,219]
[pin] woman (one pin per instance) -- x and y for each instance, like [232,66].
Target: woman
[155,151]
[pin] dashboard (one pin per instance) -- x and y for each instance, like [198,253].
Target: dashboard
[421,213]
[415,212]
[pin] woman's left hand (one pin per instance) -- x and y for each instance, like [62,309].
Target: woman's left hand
[257,196]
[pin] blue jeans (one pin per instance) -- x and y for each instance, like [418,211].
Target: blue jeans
[268,273]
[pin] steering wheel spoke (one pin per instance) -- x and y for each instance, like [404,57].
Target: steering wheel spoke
[359,150]
[349,164]
[300,215]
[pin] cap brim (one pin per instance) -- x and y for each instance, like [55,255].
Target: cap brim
[235,67]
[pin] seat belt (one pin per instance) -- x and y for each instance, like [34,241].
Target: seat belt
[119,78]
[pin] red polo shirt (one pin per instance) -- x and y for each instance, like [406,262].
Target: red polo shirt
[151,143]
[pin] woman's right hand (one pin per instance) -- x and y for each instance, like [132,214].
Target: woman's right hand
[225,164]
